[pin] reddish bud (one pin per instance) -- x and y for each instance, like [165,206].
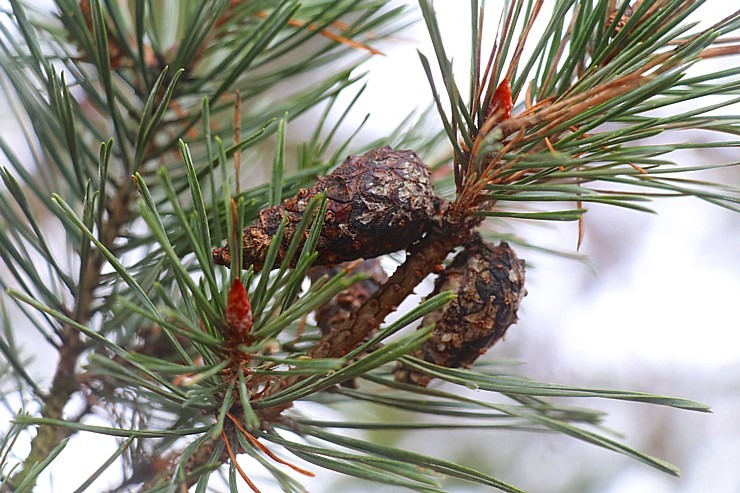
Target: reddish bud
[238,311]
[501,100]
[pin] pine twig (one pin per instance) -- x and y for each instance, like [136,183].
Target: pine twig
[65,382]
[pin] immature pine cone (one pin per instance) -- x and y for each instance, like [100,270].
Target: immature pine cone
[489,282]
[378,203]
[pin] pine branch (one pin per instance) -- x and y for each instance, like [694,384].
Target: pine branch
[102,35]
[451,232]
[196,364]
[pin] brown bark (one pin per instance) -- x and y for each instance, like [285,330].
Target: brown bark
[423,258]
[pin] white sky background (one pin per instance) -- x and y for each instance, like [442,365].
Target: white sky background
[658,312]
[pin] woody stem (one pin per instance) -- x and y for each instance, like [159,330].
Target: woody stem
[423,257]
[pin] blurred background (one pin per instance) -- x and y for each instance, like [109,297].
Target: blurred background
[653,305]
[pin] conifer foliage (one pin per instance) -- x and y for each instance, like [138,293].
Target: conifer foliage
[197,313]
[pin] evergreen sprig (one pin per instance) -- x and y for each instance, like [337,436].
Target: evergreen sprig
[139,165]
[587,98]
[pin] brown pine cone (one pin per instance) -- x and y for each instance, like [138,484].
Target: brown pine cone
[331,315]
[489,282]
[378,203]
[336,311]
